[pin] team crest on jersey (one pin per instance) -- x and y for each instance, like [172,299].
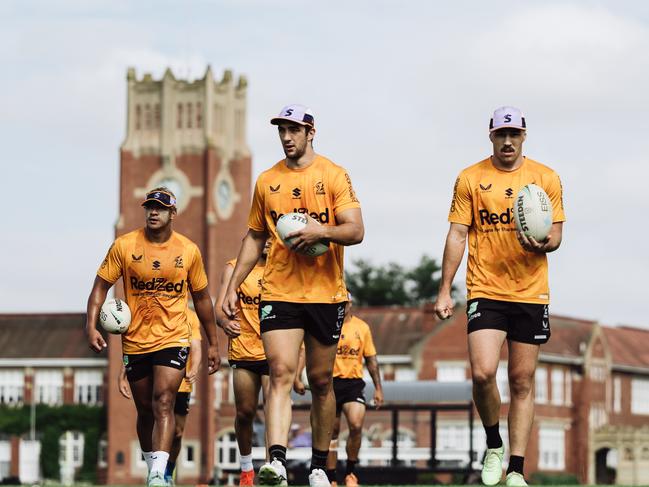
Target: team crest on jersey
[319,188]
[178,262]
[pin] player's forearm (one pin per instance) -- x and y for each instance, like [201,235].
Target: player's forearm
[349,233]
[205,312]
[195,353]
[95,300]
[453,252]
[251,249]
[375,373]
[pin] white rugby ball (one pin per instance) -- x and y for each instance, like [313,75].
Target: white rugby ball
[533,212]
[292,222]
[115,316]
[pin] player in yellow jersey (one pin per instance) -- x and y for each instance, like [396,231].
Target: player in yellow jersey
[159,268]
[246,357]
[355,344]
[507,284]
[303,297]
[181,408]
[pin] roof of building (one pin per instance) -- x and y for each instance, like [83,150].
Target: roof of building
[629,346]
[395,330]
[45,335]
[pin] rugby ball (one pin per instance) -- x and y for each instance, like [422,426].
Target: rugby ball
[115,316]
[533,212]
[292,222]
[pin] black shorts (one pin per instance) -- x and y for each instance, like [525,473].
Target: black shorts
[322,321]
[140,365]
[181,408]
[259,367]
[523,322]
[348,390]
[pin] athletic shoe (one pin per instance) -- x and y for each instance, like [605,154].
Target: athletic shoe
[156,479]
[318,478]
[492,468]
[273,473]
[247,478]
[515,479]
[351,480]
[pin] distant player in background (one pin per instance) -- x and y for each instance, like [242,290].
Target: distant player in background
[158,267]
[303,297]
[246,356]
[181,408]
[507,284]
[355,343]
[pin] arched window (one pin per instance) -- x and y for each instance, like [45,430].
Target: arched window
[138,117]
[156,115]
[148,119]
[199,115]
[179,118]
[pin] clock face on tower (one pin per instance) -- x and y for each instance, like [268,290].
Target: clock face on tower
[224,196]
[175,186]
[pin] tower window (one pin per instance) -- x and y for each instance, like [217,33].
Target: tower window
[156,115]
[189,115]
[199,116]
[148,120]
[179,123]
[138,117]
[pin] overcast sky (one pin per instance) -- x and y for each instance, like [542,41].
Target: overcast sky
[402,93]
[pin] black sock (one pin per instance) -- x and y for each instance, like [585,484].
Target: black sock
[516,464]
[318,459]
[331,474]
[277,452]
[351,465]
[493,436]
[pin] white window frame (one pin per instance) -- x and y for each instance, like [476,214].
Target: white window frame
[541,385]
[617,395]
[48,386]
[557,379]
[12,387]
[640,396]
[225,443]
[405,374]
[451,371]
[88,387]
[552,447]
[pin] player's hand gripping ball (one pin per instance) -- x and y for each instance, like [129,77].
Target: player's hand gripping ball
[292,222]
[115,316]
[533,212]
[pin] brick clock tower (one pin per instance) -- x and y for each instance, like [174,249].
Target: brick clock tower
[189,136]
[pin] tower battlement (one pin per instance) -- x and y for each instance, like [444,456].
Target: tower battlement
[170,116]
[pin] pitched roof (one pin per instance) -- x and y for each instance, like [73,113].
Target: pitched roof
[629,346]
[47,335]
[395,330]
[568,334]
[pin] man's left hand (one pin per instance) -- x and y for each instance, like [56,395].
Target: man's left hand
[531,245]
[213,359]
[311,234]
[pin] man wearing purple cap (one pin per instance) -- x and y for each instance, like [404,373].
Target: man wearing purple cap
[303,297]
[507,284]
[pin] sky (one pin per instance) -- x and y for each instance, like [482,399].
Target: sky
[402,92]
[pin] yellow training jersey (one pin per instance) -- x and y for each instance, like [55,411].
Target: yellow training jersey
[498,267]
[196,335]
[157,278]
[323,190]
[248,345]
[355,343]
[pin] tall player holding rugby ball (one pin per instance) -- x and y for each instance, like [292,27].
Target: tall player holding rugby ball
[303,297]
[159,268]
[507,284]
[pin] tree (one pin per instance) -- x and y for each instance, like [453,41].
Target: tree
[392,284]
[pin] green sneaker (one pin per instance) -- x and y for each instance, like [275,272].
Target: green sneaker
[492,468]
[156,479]
[515,479]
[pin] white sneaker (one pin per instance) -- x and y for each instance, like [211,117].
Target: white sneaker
[273,473]
[318,478]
